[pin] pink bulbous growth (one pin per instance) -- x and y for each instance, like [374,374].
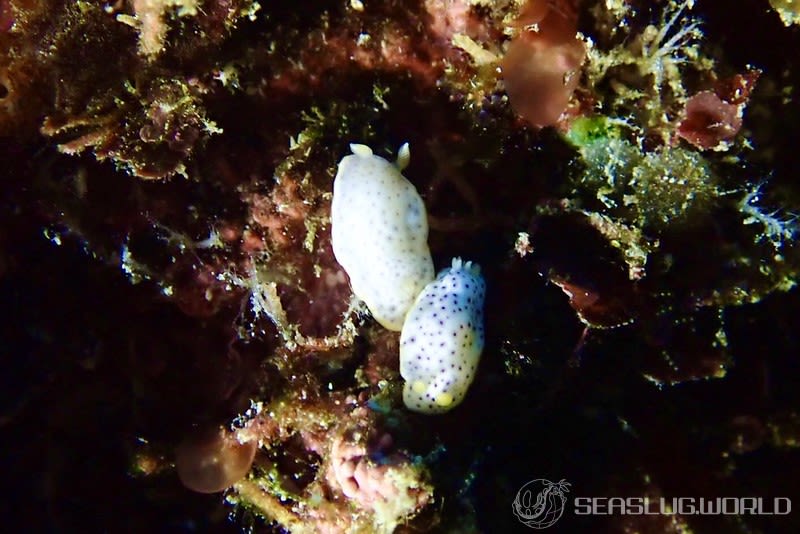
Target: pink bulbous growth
[213,461]
[712,118]
[709,120]
[541,68]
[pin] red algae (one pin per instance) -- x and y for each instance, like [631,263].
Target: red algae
[709,121]
[712,118]
[541,66]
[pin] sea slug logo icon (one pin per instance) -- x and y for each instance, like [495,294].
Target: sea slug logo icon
[540,503]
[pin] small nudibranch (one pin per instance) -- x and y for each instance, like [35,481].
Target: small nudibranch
[379,233]
[442,339]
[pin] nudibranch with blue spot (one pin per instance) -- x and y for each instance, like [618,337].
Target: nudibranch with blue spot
[379,233]
[442,339]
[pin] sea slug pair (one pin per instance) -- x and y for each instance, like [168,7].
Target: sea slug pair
[379,233]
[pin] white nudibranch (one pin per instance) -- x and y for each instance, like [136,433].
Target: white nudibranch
[379,233]
[442,339]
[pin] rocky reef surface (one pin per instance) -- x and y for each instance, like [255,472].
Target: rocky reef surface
[182,351]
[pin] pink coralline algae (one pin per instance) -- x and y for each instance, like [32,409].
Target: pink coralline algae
[366,470]
[340,468]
